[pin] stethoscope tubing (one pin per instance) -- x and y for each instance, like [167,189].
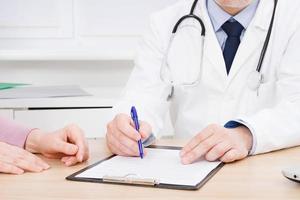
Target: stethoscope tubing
[203,34]
[267,40]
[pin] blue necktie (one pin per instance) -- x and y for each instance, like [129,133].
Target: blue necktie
[233,30]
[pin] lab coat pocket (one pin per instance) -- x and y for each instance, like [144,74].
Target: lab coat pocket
[262,98]
[198,100]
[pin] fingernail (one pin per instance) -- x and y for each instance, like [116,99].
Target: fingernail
[39,169]
[182,152]
[69,163]
[80,158]
[185,161]
[64,159]
[19,172]
[46,166]
[68,160]
[144,135]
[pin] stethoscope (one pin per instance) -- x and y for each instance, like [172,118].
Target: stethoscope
[256,77]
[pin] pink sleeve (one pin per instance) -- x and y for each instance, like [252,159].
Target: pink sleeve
[13,133]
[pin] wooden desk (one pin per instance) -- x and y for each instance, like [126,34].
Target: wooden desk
[257,177]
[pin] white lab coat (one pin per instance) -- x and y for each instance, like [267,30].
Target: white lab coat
[274,115]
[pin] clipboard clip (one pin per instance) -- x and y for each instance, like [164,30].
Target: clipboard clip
[130,179]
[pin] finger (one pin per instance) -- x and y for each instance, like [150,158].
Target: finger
[10,169]
[40,162]
[126,141]
[55,155]
[145,130]
[76,136]
[124,126]
[200,150]
[112,147]
[27,165]
[129,151]
[203,135]
[72,160]
[86,154]
[232,155]
[114,150]
[64,147]
[119,147]
[69,160]
[27,161]
[24,159]
[218,151]
[65,158]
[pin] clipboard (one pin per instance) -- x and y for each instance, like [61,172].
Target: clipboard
[135,181]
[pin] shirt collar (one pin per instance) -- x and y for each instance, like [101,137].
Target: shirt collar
[218,16]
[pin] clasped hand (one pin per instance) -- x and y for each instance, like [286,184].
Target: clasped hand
[67,144]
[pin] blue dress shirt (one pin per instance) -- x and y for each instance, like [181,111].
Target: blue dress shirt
[218,17]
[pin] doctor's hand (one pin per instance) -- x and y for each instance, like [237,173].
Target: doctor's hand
[218,143]
[67,144]
[122,138]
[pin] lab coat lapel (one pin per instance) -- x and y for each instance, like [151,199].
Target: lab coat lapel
[212,49]
[253,39]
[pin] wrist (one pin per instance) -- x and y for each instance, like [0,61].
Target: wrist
[246,136]
[32,143]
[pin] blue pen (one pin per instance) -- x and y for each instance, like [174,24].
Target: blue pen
[135,119]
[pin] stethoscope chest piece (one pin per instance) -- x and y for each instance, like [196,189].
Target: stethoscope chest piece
[254,80]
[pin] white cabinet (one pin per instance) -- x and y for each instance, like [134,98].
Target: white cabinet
[92,121]
[7,113]
[91,113]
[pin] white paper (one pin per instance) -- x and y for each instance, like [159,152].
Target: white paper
[162,165]
[42,92]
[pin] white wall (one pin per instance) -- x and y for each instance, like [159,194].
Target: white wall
[73,29]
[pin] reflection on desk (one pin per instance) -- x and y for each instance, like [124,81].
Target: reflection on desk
[257,177]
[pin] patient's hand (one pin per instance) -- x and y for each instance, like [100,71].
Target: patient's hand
[15,160]
[67,144]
